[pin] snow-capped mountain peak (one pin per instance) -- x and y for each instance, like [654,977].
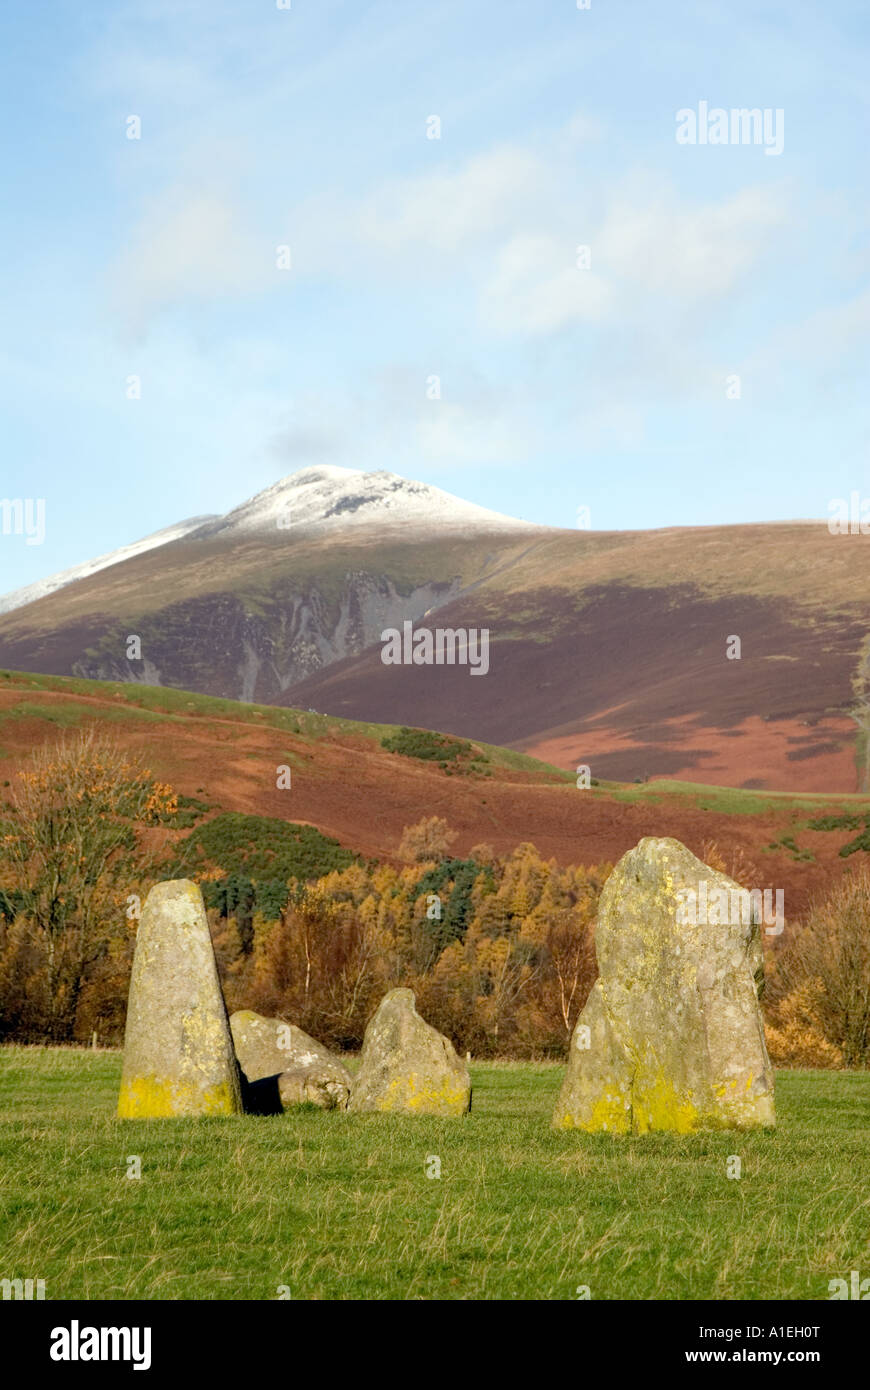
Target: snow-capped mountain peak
[328,498]
[320,500]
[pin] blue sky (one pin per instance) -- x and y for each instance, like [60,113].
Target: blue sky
[561,387]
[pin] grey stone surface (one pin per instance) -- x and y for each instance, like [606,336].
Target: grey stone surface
[268,1047]
[671,1037]
[406,1065]
[178,1053]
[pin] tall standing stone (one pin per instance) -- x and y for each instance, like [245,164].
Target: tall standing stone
[671,1037]
[408,1065]
[178,1053]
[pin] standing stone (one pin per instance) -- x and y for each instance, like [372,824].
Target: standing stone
[671,1037]
[178,1053]
[407,1065]
[268,1048]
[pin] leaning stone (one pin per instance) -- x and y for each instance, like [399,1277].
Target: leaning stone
[671,1037]
[178,1053]
[407,1065]
[314,1084]
[267,1047]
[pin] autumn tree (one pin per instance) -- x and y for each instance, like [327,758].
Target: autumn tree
[327,961]
[823,975]
[73,856]
[427,841]
[571,961]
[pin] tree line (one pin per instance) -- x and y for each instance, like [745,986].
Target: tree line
[499,949]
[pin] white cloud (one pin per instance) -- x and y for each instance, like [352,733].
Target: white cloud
[502,227]
[452,211]
[536,287]
[190,244]
[683,249]
[506,225]
[450,434]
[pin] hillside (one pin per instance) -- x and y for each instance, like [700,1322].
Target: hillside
[605,648]
[351,788]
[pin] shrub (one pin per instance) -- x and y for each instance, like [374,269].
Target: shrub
[261,848]
[823,975]
[438,748]
[795,1038]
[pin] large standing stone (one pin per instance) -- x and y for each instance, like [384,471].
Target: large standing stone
[408,1065]
[671,1036]
[268,1048]
[178,1053]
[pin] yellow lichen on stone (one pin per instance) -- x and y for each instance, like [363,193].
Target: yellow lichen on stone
[673,1021]
[407,1065]
[656,1104]
[405,1093]
[178,1053]
[148,1098]
[607,1115]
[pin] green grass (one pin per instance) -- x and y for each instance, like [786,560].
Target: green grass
[71,714]
[64,715]
[339,1206]
[732,801]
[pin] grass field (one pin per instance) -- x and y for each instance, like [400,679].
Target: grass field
[333,1206]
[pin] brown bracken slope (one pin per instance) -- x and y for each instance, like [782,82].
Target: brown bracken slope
[345,783]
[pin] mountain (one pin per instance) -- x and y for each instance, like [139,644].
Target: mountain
[606,648]
[330,499]
[243,606]
[612,650]
[18,598]
[313,501]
